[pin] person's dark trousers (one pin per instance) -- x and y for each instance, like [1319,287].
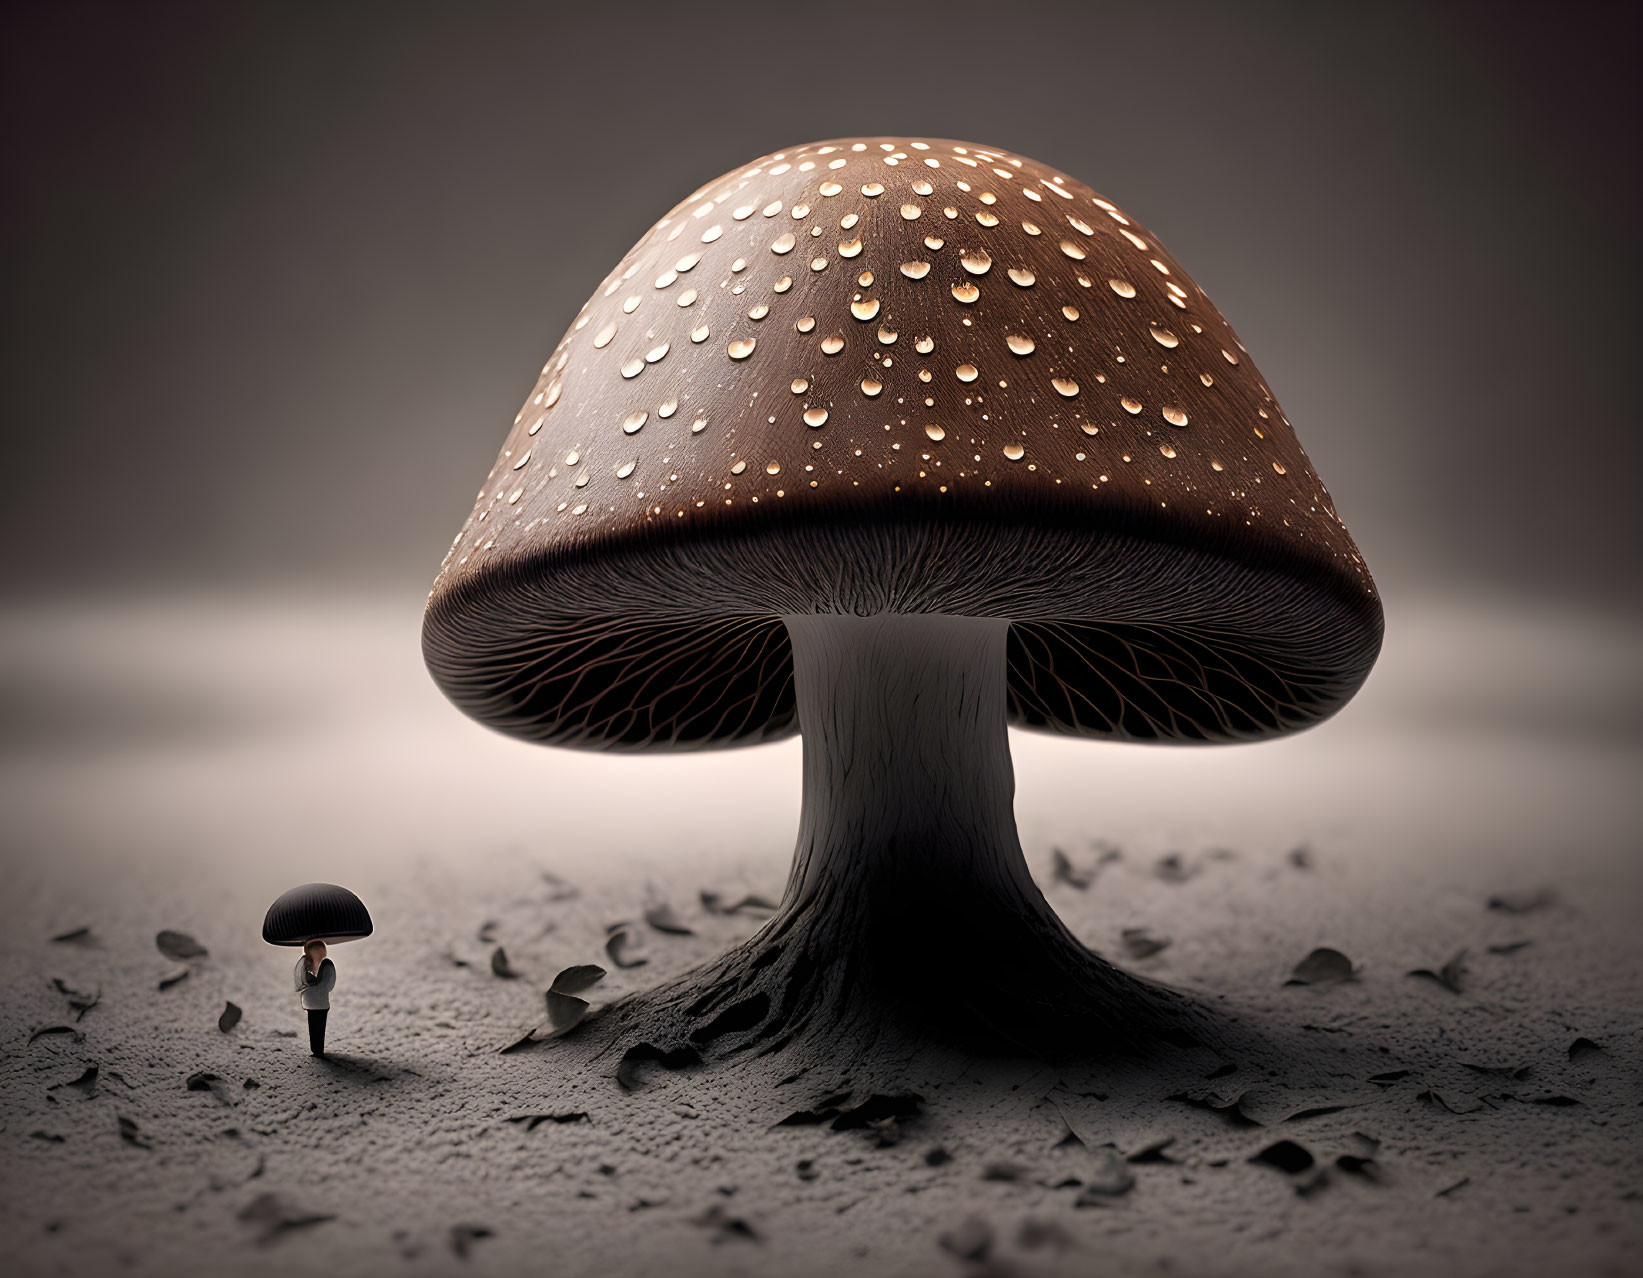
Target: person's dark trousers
[316,1031]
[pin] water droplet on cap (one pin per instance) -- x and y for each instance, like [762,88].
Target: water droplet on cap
[865,309]
[815,417]
[1065,385]
[633,421]
[1015,452]
[935,432]
[977,262]
[966,292]
[1020,343]
[742,349]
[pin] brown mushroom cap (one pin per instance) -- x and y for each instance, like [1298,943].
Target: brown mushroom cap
[882,374]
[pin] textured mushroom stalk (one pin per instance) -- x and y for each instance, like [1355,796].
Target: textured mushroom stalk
[907,777]
[909,913]
[908,864]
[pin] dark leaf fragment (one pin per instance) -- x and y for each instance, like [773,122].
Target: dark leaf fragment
[1062,870]
[176,978]
[533,1121]
[51,1137]
[131,1133]
[661,917]
[208,1082]
[1522,902]
[1387,1077]
[1140,943]
[1286,1156]
[1509,947]
[487,932]
[500,965]
[1579,1049]
[78,1000]
[1459,1184]
[179,946]
[230,1017]
[78,1036]
[631,1071]
[725,1227]
[270,1216]
[463,1237]
[76,936]
[565,1010]
[620,944]
[85,1084]
[1151,1151]
[573,980]
[1323,966]
[715,903]
[1358,1165]
[937,1156]
[1516,1072]
[1450,975]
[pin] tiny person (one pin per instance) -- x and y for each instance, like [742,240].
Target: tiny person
[316,975]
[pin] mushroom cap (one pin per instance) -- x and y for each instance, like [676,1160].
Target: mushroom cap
[316,911]
[887,374]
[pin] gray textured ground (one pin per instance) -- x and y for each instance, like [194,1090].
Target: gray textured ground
[176,764]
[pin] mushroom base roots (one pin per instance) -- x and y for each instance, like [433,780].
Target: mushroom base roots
[909,915]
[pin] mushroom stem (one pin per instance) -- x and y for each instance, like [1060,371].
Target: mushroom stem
[907,779]
[909,895]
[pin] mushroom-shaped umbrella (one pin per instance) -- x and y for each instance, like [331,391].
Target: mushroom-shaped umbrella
[316,912]
[894,442]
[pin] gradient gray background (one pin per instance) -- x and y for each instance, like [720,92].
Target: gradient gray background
[278,276]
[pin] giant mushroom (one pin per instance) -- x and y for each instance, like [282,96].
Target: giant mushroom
[894,443]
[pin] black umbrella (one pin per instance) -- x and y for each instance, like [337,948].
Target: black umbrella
[316,911]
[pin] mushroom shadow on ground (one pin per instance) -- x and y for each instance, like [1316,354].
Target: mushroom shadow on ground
[896,455]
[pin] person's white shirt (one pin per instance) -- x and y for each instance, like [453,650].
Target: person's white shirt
[316,997]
